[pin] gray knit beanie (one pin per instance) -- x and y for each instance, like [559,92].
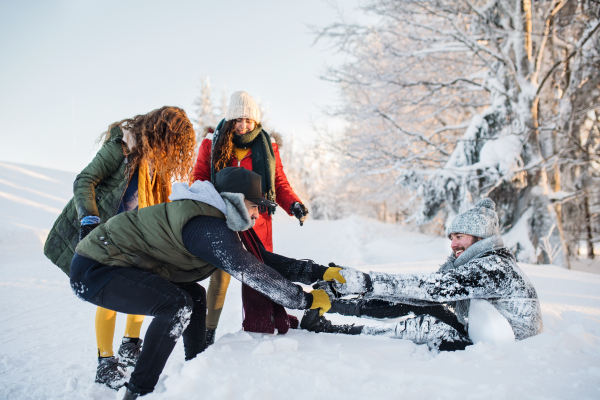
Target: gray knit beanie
[480,221]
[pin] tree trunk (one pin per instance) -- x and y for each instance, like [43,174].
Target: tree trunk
[588,223]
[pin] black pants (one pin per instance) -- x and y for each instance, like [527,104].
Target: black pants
[434,316]
[177,310]
[387,309]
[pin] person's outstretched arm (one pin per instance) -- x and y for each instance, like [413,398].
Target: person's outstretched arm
[210,239]
[485,278]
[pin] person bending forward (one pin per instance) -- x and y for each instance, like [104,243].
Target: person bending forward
[147,262]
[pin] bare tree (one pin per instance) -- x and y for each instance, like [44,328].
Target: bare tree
[464,99]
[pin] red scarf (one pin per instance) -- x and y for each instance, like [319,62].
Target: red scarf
[260,313]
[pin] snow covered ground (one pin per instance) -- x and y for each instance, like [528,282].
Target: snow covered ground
[47,342]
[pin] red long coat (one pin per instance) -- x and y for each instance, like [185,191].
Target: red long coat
[284,193]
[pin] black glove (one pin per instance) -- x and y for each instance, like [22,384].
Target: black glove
[85,230]
[300,211]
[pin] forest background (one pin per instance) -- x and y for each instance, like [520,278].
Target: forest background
[429,105]
[445,102]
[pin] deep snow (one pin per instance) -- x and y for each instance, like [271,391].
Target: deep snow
[47,345]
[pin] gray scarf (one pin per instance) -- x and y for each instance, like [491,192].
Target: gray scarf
[475,250]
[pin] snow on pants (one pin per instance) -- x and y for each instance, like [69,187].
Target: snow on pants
[177,310]
[423,329]
[388,309]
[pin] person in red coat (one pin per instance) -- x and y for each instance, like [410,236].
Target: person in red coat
[240,141]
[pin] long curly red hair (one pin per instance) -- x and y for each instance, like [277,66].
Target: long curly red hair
[165,138]
[224,146]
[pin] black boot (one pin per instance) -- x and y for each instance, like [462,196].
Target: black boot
[110,372]
[210,338]
[345,307]
[312,321]
[458,344]
[129,395]
[129,351]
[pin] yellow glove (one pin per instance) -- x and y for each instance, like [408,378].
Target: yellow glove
[321,301]
[333,273]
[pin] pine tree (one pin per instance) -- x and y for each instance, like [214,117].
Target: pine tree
[205,111]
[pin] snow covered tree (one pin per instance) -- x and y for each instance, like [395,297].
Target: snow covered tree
[224,103]
[459,99]
[205,111]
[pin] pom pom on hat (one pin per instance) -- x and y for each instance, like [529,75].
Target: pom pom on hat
[242,105]
[487,203]
[480,221]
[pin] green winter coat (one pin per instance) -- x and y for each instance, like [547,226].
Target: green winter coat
[151,239]
[97,191]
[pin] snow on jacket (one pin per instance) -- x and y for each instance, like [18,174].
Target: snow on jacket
[284,194]
[486,270]
[187,239]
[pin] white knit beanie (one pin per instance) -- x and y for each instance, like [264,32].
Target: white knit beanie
[480,221]
[242,105]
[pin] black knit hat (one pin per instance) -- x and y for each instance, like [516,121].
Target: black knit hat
[241,180]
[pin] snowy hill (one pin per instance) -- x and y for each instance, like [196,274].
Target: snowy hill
[47,347]
[30,200]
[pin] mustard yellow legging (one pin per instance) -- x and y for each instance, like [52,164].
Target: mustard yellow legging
[105,329]
[215,297]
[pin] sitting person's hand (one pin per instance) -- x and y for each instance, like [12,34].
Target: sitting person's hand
[333,273]
[320,301]
[356,282]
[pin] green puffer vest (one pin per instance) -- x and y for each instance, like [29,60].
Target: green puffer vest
[151,239]
[97,191]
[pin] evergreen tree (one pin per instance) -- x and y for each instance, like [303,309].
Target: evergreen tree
[205,111]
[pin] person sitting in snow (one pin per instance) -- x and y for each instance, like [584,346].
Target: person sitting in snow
[480,273]
[148,261]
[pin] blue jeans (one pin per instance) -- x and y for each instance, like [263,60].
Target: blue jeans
[178,310]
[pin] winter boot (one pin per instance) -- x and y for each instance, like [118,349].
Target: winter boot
[129,395]
[129,351]
[312,321]
[346,307]
[110,372]
[210,338]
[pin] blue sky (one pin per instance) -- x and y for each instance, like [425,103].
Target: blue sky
[70,68]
